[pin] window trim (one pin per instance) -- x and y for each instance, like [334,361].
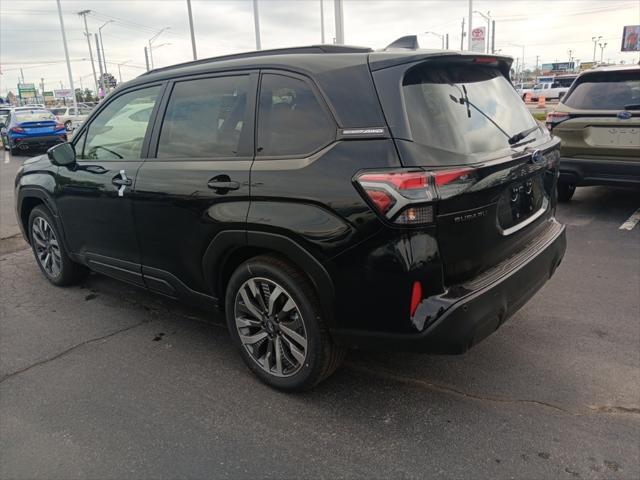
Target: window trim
[152,120]
[245,145]
[324,105]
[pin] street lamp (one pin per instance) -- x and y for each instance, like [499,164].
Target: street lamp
[487,17]
[152,39]
[595,41]
[602,47]
[438,35]
[104,59]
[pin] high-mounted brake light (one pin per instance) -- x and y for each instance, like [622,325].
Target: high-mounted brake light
[485,60]
[405,197]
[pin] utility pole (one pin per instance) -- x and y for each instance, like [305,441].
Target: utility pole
[83,14]
[595,41]
[470,27]
[537,60]
[100,65]
[493,36]
[462,36]
[42,88]
[487,17]
[322,22]
[570,55]
[193,36]
[66,56]
[339,15]
[446,42]
[104,58]
[256,24]
[146,58]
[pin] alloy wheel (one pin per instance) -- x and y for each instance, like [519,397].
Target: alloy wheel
[271,327]
[46,246]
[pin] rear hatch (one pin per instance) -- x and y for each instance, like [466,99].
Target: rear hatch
[492,166]
[600,116]
[39,128]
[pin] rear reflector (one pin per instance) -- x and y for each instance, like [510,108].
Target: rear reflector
[416,296]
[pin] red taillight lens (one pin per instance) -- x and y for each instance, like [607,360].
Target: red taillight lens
[554,118]
[400,180]
[416,296]
[382,200]
[59,126]
[447,176]
[17,130]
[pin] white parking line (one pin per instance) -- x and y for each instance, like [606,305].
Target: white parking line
[632,221]
[6,158]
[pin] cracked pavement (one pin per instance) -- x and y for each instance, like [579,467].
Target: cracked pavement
[105,380]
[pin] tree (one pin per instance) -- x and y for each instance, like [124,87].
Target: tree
[79,95]
[89,96]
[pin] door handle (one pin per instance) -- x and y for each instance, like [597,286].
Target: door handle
[120,182]
[222,184]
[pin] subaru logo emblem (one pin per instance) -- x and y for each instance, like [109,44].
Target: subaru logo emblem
[536,156]
[624,115]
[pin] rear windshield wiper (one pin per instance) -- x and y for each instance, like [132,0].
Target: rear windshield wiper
[522,135]
[512,139]
[632,106]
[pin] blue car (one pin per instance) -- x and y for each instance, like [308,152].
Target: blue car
[24,128]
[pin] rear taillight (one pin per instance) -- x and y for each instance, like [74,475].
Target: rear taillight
[406,197]
[416,297]
[60,126]
[554,118]
[17,130]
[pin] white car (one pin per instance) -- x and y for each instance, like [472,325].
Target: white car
[70,117]
[554,90]
[524,88]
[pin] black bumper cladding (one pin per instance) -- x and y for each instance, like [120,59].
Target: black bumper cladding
[590,171]
[44,141]
[467,313]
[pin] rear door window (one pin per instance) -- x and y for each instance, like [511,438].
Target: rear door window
[205,118]
[605,91]
[291,119]
[463,109]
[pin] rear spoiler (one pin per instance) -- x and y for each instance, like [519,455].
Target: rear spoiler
[406,50]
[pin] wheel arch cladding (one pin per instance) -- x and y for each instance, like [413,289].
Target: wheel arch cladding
[231,248]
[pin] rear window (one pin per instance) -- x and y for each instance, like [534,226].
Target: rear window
[605,91]
[448,106]
[34,116]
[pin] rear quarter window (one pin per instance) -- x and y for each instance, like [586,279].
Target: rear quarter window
[605,91]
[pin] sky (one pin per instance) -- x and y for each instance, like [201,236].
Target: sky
[30,35]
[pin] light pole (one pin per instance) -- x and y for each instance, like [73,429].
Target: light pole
[152,39]
[595,41]
[522,63]
[256,24]
[193,36]
[322,22]
[438,35]
[487,17]
[66,56]
[119,72]
[602,47]
[339,18]
[104,59]
[470,26]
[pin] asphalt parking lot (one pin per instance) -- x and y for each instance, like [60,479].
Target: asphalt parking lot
[107,381]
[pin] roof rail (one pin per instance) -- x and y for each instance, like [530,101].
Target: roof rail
[262,53]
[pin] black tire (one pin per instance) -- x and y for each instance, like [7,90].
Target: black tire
[12,150]
[322,356]
[68,125]
[68,272]
[565,191]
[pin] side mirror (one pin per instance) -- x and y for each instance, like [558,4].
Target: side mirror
[62,154]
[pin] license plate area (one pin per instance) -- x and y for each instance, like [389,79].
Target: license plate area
[521,203]
[628,137]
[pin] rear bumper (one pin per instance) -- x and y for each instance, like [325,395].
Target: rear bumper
[587,171]
[469,312]
[41,141]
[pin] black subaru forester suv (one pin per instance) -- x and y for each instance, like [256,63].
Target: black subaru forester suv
[324,197]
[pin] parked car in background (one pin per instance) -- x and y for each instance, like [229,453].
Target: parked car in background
[4,113]
[524,88]
[554,90]
[269,184]
[71,117]
[34,105]
[24,129]
[598,122]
